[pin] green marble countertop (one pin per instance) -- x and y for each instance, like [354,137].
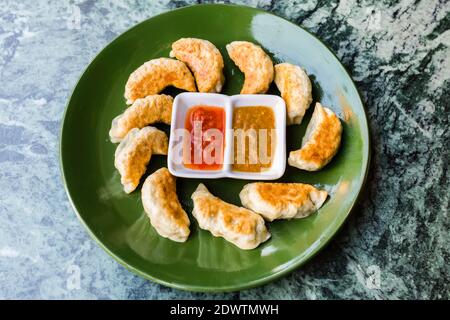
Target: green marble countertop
[395,245]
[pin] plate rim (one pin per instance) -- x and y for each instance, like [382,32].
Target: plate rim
[294,263]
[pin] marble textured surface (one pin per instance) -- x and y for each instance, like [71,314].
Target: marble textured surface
[396,244]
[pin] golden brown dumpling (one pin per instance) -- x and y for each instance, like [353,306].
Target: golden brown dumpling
[204,60]
[240,226]
[143,112]
[282,200]
[254,63]
[295,89]
[155,75]
[321,141]
[134,153]
[160,201]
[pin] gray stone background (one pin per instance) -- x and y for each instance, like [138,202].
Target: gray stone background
[395,244]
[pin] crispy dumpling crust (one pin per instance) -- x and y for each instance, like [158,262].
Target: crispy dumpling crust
[155,75]
[134,152]
[240,226]
[254,63]
[321,141]
[282,200]
[143,112]
[204,60]
[160,201]
[295,88]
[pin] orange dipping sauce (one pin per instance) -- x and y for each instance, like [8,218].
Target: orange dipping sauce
[207,146]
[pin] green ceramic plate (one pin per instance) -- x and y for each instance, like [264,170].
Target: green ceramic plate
[204,263]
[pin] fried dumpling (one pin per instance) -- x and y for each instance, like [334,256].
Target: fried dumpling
[154,75]
[254,63]
[295,89]
[204,60]
[134,153]
[160,201]
[321,141]
[240,226]
[282,200]
[143,112]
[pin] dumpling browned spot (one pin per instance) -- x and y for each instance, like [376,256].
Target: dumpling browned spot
[204,60]
[155,75]
[254,63]
[321,141]
[143,112]
[240,226]
[134,153]
[295,89]
[160,201]
[282,200]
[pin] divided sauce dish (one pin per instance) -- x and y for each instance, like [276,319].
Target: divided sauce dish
[182,105]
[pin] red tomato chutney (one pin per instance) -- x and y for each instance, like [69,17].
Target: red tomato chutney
[207,146]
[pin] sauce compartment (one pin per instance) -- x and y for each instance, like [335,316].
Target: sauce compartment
[183,102]
[182,109]
[254,138]
[206,125]
[278,157]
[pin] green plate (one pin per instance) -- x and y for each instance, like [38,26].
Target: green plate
[204,263]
